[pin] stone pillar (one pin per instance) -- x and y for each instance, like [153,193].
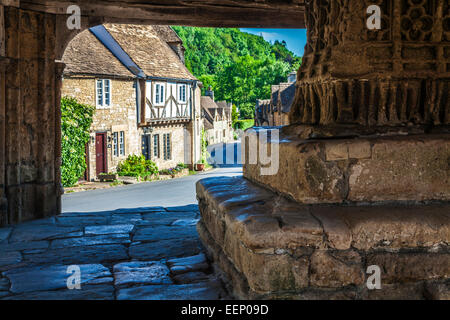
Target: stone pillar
[358,78]
[3,201]
[31,129]
[382,95]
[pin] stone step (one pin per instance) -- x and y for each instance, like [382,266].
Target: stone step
[275,247]
[367,169]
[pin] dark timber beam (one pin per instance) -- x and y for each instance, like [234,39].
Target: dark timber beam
[202,13]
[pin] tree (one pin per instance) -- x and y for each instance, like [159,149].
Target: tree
[234,114]
[240,67]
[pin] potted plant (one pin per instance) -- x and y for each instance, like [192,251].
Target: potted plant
[199,166]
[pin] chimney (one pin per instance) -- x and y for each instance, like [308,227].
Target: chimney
[292,77]
[209,93]
[179,49]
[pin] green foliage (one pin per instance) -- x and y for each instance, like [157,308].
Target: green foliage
[247,111]
[244,124]
[137,166]
[76,119]
[240,67]
[173,171]
[204,148]
[234,115]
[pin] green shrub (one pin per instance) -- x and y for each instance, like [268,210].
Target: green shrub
[137,166]
[204,148]
[244,124]
[173,171]
[76,119]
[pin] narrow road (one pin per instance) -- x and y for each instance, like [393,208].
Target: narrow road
[167,193]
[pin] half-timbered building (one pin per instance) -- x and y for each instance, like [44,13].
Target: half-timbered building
[146,100]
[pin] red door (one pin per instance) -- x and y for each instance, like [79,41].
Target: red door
[100,151]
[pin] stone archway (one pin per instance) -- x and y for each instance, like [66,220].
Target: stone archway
[33,36]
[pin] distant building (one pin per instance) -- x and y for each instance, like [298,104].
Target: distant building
[146,100]
[275,112]
[216,119]
[263,113]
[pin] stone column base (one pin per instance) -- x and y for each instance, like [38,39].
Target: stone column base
[374,168]
[3,211]
[268,247]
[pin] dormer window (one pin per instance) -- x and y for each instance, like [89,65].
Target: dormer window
[103,90]
[182,93]
[159,94]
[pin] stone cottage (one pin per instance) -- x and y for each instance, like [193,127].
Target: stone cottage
[146,100]
[216,119]
[275,111]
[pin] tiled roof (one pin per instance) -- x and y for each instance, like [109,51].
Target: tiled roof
[287,95]
[207,102]
[208,105]
[167,34]
[225,106]
[275,92]
[148,51]
[85,54]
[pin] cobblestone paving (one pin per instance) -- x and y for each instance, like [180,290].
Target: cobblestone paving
[143,253]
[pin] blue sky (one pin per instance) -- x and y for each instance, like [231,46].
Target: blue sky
[295,38]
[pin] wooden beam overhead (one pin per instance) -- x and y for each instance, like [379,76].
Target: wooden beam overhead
[202,13]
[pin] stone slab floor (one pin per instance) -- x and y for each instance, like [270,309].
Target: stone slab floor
[143,253]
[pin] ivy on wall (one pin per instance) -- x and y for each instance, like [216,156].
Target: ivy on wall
[76,119]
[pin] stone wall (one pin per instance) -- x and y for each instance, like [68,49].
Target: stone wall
[370,169]
[120,116]
[29,116]
[216,134]
[179,140]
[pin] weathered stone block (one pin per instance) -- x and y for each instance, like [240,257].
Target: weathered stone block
[403,267]
[369,169]
[336,151]
[334,270]
[403,168]
[283,249]
[359,149]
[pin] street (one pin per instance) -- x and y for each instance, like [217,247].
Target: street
[129,242]
[167,193]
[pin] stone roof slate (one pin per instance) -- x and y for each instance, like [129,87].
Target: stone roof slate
[167,34]
[85,54]
[148,51]
[287,95]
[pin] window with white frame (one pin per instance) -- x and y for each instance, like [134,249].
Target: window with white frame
[167,146]
[122,143]
[156,145]
[159,94]
[182,93]
[103,89]
[115,144]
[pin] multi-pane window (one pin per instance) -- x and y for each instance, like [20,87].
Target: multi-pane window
[116,144]
[156,145]
[159,94]
[167,146]
[182,93]
[103,92]
[122,143]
